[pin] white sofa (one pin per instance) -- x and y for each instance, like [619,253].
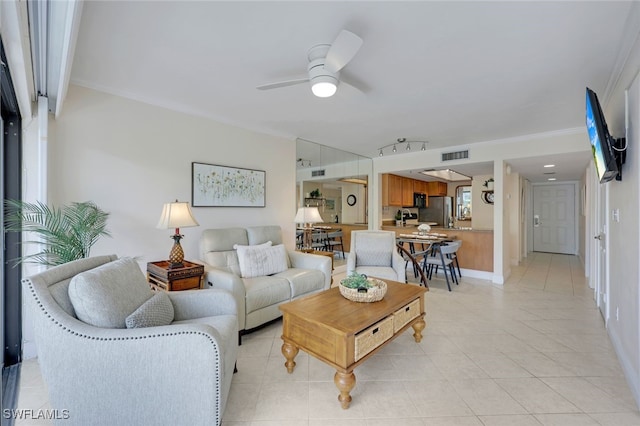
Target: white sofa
[179,373]
[258,298]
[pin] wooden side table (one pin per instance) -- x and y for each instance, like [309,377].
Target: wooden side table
[161,277]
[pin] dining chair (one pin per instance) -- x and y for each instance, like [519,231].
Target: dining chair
[438,257]
[299,238]
[415,262]
[454,256]
[318,240]
[334,239]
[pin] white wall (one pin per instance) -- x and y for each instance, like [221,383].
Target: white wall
[624,252]
[131,158]
[513,216]
[481,212]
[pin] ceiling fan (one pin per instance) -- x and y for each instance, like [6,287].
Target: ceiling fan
[325,63]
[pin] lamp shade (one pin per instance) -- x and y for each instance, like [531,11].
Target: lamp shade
[176,215]
[308,215]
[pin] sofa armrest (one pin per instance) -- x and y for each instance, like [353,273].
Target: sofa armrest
[127,366]
[312,261]
[216,278]
[192,304]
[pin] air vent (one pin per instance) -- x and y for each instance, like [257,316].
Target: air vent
[315,173]
[458,155]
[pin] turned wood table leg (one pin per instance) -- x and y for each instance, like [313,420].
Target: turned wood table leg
[345,382]
[289,351]
[418,326]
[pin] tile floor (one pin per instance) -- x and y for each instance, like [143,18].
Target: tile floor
[531,352]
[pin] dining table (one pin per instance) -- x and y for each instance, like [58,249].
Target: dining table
[431,240]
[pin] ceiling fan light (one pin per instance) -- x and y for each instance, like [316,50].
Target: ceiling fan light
[324,86]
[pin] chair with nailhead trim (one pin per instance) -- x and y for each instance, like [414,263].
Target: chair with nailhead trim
[172,374]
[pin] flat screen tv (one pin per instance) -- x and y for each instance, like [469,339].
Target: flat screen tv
[601,141]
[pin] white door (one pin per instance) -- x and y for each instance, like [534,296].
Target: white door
[602,240]
[554,221]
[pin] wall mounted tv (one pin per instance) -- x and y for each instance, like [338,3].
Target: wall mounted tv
[608,153]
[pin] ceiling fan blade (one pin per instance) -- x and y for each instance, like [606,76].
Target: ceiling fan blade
[283,84]
[354,82]
[343,49]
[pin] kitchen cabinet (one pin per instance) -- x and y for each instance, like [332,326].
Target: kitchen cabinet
[392,190]
[437,189]
[407,192]
[421,187]
[398,191]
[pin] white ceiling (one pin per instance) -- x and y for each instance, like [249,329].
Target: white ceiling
[450,73]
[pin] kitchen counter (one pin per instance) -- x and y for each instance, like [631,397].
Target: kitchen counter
[476,251]
[414,228]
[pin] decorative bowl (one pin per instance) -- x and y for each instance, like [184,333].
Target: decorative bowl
[374,293]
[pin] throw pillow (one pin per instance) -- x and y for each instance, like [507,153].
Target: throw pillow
[154,312]
[257,261]
[105,296]
[373,258]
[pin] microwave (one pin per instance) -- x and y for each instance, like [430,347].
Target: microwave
[419,200]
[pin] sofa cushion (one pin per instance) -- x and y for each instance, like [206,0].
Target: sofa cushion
[261,260]
[154,312]
[105,296]
[265,291]
[303,281]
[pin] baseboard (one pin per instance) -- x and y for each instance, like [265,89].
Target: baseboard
[632,376]
[473,273]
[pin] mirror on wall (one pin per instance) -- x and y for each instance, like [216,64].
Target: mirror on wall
[333,180]
[463,202]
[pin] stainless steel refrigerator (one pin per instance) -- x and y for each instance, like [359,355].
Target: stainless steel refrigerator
[439,211]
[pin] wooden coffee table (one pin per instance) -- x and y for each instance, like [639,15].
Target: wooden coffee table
[344,334]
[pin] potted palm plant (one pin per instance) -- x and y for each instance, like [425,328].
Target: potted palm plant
[65,233]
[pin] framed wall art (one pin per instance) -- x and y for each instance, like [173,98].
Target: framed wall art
[221,186]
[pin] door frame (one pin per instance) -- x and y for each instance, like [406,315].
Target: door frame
[576,211]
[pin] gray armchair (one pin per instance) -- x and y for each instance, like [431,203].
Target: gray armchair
[174,374]
[374,253]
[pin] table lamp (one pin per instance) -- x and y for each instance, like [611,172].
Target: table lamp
[176,215]
[307,216]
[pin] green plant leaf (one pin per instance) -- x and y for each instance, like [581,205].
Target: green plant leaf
[66,233]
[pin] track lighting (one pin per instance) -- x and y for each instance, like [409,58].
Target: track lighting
[401,141]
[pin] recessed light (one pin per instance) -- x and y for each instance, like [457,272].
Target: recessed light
[549,165]
[551,179]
